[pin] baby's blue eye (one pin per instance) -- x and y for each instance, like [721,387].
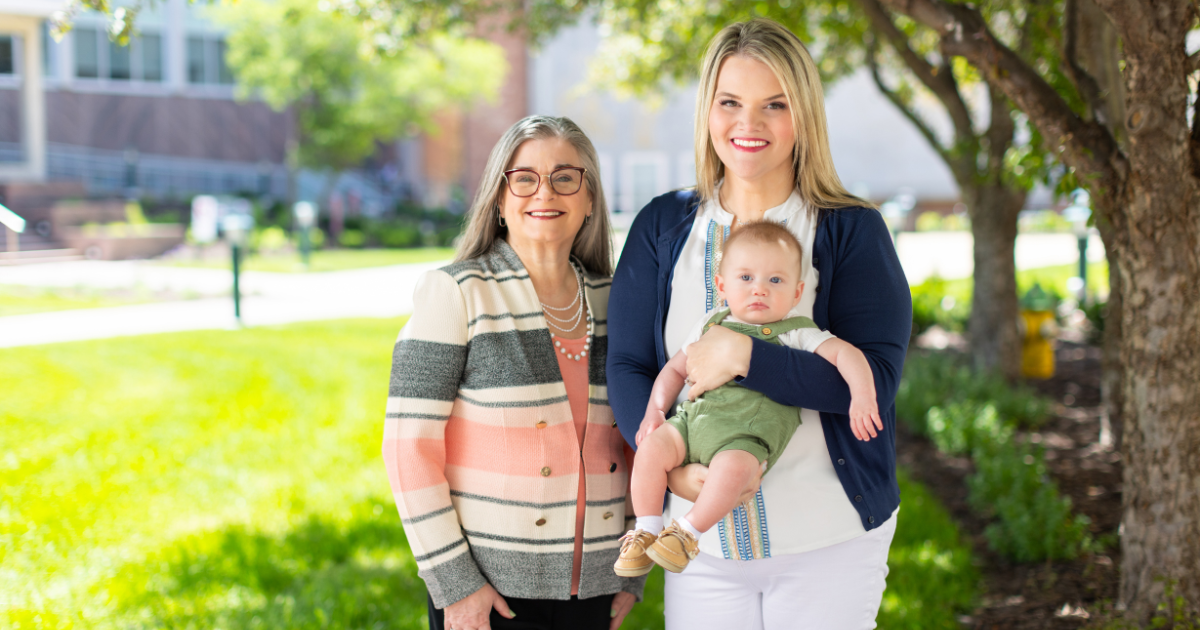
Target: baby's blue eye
[744,277]
[776,280]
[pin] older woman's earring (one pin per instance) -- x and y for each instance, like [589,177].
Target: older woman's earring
[500,218]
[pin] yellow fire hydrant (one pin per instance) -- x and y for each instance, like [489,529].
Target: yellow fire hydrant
[1038,331]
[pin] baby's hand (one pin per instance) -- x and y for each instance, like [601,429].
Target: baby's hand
[864,418]
[652,421]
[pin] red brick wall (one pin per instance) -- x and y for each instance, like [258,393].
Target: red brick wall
[485,123]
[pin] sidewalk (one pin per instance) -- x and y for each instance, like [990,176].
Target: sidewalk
[268,299]
[281,298]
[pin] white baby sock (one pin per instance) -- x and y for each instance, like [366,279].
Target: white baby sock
[652,524]
[683,522]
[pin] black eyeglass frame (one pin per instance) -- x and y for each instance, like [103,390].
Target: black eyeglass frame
[582,177]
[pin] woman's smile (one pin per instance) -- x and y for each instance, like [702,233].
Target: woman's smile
[750,145]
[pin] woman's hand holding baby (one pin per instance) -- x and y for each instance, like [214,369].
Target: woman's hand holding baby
[719,357]
[654,419]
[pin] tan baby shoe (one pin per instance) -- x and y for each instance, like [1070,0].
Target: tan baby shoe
[633,561]
[674,549]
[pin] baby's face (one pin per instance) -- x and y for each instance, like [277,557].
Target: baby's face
[761,281]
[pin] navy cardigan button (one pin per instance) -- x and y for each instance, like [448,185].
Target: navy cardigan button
[841,462]
[858,498]
[871,519]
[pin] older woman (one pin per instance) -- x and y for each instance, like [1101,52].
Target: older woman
[811,550]
[506,464]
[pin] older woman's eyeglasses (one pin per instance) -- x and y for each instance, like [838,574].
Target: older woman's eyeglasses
[524,182]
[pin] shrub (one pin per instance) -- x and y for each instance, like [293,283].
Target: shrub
[941,379]
[402,236]
[352,238]
[936,303]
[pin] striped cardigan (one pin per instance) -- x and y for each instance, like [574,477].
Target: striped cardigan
[480,445]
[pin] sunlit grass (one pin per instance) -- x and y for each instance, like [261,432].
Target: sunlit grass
[232,479]
[328,259]
[21,300]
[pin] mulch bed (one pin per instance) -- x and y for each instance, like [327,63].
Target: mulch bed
[1053,594]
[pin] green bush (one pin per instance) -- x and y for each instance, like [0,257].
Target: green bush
[401,236]
[352,238]
[937,302]
[969,413]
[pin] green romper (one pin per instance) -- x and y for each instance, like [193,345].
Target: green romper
[732,417]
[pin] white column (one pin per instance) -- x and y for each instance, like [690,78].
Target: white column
[33,116]
[175,39]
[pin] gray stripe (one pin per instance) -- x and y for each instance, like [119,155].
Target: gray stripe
[597,401]
[512,358]
[597,285]
[547,575]
[426,369]
[523,541]
[504,316]
[515,403]
[438,552]
[450,581]
[427,516]
[469,276]
[526,504]
[597,373]
[416,416]
[601,539]
[616,501]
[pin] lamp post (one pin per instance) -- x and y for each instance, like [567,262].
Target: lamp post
[237,231]
[306,217]
[1078,214]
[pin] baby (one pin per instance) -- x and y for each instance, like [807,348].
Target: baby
[733,430]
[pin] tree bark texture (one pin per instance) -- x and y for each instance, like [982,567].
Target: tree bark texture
[992,330]
[1149,214]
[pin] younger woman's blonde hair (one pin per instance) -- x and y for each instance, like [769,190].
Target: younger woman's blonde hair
[592,246]
[772,44]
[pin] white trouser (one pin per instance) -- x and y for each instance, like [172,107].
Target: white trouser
[834,588]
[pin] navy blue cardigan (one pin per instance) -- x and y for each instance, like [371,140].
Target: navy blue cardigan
[863,298]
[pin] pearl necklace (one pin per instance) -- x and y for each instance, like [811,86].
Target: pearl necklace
[568,324]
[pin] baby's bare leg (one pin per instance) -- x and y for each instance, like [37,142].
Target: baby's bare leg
[728,474]
[661,451]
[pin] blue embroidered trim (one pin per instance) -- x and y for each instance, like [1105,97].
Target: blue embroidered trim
[762,523]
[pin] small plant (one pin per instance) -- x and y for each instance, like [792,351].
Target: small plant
[1172,613]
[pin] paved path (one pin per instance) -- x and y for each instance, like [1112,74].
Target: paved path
[280,298]
[269,299]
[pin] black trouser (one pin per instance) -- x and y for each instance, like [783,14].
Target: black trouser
[544,614]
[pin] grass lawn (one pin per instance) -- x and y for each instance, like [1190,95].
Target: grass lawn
[22,300]
[232,479]
[330,259]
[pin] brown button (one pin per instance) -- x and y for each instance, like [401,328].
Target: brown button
[540,522]
[766,331]
[546,471]
[541,424]
[612,467]
[608,515]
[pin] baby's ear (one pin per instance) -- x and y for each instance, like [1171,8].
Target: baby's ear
[799,290]
[720,282]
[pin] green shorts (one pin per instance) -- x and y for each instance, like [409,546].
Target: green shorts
[732,417]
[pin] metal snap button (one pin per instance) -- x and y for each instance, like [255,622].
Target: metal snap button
[546,472]
[766,331]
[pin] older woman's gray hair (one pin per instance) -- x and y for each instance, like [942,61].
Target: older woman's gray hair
[592,246]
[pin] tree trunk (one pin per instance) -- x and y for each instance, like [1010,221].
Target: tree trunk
[1111,399]
[992,330]
[1158,254]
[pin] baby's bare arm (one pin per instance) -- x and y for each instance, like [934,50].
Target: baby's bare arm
[853,366]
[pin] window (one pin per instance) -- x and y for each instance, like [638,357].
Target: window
[7,63]
[119,62]
[643,177]
[152,57]
[87,49]
[206,61]
[96,57]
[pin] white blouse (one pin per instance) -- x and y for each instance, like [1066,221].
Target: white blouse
[801,505]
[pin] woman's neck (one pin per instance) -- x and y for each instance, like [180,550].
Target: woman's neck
[549,268]
[749,200]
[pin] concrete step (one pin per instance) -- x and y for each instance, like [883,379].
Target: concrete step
[39,256]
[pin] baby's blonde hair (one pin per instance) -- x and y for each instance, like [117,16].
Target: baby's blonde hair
[765,232]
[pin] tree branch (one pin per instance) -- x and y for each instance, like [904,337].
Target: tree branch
[999,133]
[1087,85]
[940,81]
[1087,146]
[909,113]
[1195,140]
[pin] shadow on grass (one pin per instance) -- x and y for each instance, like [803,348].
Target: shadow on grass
[354,572]
[932,579]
